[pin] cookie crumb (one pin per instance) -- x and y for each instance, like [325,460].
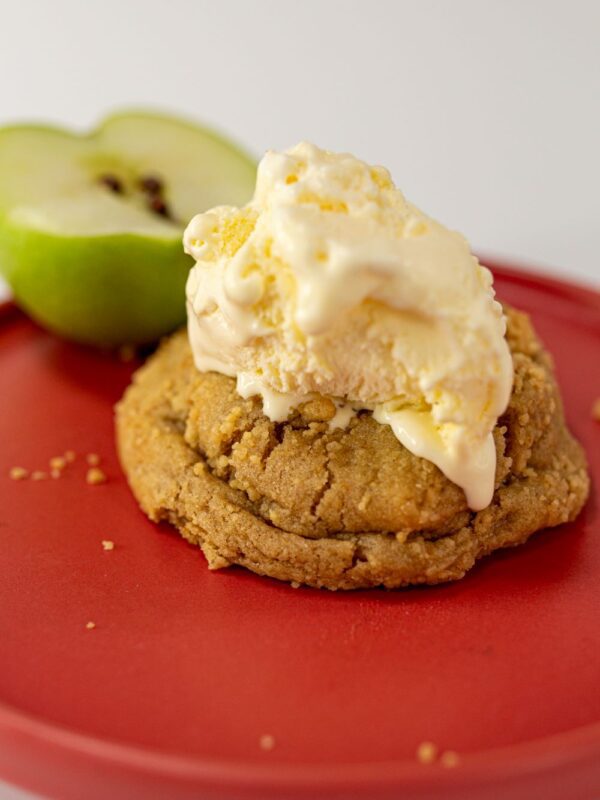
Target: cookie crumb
[38,475]
[90,625]
[449,758]
[58,462]
[107,544]
[55,473]
[295,585]
[596,410]
[70,456]
[95,476]
[427,752]
[93,459]
[18,473]
[267,742]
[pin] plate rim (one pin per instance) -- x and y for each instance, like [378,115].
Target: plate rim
[569,748]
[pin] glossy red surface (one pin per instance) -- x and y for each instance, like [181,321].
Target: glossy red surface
[185,670]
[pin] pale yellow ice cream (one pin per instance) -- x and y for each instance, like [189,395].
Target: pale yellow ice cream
[330,282]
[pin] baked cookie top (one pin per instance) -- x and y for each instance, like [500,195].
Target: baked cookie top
[183,433]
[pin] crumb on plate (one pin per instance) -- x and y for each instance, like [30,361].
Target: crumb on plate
[39,475]
[596,410]
[58,462]
[267,742]
[427,752]
[107,544]
[449,758]
[18,473]
[93,459]
[95,476]
[90,625]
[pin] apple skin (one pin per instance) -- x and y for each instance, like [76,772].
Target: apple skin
[99,290]
[125,287]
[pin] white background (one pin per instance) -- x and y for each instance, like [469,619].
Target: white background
[487,113]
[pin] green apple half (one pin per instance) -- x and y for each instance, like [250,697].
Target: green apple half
[91,226]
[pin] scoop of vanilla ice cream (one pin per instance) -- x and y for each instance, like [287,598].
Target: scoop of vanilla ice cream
[330,282]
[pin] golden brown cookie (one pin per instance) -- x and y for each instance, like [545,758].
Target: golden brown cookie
[343,508]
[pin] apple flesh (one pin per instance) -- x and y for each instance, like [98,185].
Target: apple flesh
[91,226]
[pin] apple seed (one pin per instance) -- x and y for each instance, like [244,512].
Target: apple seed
[151,184]
[158,205]
[112,182]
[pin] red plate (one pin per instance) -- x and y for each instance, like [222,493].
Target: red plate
[186,670]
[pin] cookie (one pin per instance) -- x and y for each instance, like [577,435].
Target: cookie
[338,508]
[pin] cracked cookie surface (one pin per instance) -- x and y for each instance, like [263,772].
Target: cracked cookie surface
[341,508]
